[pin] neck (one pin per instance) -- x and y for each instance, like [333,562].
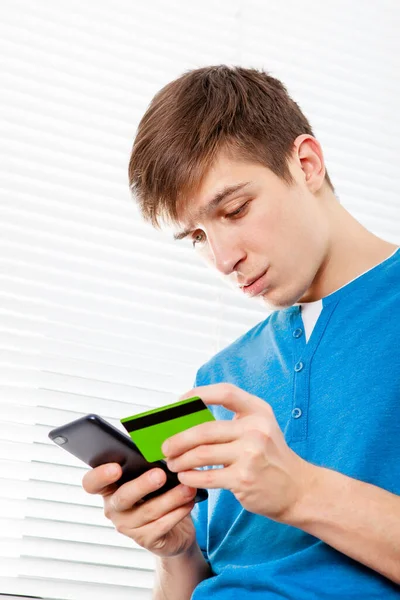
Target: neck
[351,251]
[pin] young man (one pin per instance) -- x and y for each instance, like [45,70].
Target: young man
[306,504]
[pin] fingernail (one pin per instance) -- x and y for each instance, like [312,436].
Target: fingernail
[156,476]
[112,470]
[187,491]
[165,448]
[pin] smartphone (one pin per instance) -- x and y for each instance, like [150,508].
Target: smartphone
[96,442]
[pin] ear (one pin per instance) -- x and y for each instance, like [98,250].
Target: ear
[308,156]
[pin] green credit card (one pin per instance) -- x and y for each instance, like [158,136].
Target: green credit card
[150,429]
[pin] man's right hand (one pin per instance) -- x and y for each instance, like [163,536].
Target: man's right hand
[162,524]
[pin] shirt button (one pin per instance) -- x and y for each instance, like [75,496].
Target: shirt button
[298,367]
[297,333]
[296,413]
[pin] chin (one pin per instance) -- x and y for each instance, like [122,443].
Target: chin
[278,300]
[274,304]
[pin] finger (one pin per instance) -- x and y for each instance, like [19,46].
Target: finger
[211,479]
[201,456]
[206,433]
[131,492]
[157,507]
[187,395]
[98,479]
[143,513]
[231,397]
[152,532]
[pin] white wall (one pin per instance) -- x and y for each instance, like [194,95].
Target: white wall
[98,312]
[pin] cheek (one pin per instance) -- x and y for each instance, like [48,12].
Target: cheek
[204,255]
[287,241]
[261,229]
[296,230]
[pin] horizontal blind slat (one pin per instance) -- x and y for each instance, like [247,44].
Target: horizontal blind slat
[66,590]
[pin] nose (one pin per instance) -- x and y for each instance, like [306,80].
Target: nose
[224,252]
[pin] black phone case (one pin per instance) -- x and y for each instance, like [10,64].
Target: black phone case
[96,442]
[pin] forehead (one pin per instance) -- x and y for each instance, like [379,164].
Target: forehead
[224,174]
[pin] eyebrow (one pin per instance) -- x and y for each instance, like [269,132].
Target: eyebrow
[212,205]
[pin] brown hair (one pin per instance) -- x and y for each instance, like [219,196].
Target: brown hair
[245,112]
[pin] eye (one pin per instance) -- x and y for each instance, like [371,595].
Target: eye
[238,211]
[196,236]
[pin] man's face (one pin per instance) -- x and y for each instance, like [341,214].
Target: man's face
[264,230]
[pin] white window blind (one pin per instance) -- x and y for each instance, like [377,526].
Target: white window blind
[98,312]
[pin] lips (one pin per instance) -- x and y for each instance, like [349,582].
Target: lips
[250,281]
[255,286]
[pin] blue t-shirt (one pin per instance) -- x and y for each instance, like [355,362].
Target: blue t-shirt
[337,400]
